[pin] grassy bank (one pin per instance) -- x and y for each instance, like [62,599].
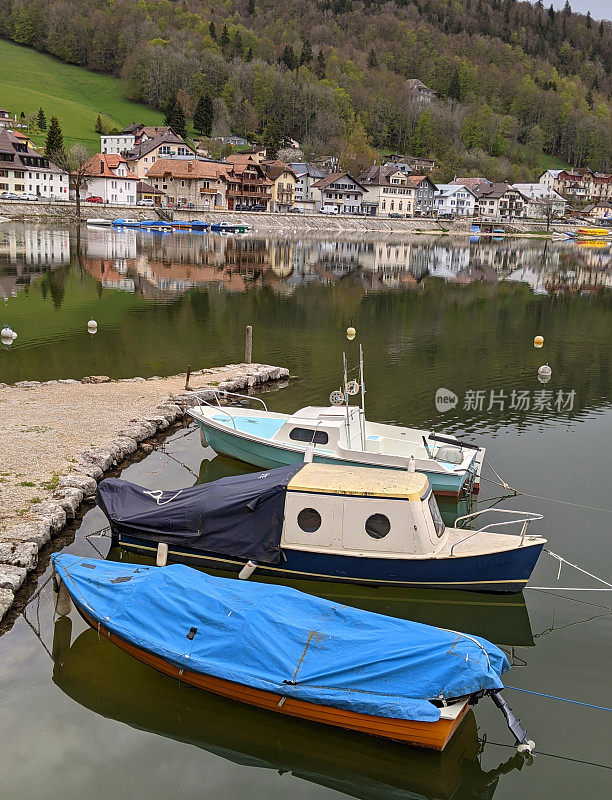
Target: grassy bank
[30,80]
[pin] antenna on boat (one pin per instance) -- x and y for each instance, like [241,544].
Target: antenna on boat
[346,401]
[362,382]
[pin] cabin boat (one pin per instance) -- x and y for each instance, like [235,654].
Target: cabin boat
[198,225]
[287,652]
[325,523]
[229,227]
[126,223]
[339,435]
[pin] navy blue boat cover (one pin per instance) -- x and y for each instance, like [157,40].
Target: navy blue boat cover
[283,641]
[238,516]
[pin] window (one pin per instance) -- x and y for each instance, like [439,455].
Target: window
[308,435]
[377,526]
[436,516]
[309,520]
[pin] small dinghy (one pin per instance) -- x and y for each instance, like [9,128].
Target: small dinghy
[326,523]
[98,222]
[279,649]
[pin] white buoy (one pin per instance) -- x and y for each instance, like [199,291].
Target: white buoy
[411,464]
[63,603]
[7,332]
[92,326]
[248,569]
[309,453]
[161,559]
[545,371]
[528,746]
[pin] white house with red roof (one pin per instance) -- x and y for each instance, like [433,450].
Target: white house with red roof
[109,177]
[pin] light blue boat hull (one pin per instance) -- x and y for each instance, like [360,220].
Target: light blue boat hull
[261,454]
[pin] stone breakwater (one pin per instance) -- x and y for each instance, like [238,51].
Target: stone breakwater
[58,438]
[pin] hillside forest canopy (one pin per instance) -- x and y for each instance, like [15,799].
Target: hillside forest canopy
[518,86]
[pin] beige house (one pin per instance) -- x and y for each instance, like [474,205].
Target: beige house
[392,192]
[189,181]
[284,182]
[141,157]
[579,185]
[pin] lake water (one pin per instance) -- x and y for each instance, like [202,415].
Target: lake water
[79,718]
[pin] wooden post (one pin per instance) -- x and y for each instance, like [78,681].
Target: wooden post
[188,376]
[248,345]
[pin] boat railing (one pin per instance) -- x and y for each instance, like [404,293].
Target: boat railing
[217,394]
[525,518]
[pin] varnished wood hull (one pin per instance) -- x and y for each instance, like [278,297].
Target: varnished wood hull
[433,735]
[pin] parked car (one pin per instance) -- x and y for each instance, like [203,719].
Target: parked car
[395,215]
[241,207]
[146,202]
[94,199]
[296,210]
[30,197]
[333,210]
[257,207]
[9,196]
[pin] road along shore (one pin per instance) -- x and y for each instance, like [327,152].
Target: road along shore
[274,223]
[58,438]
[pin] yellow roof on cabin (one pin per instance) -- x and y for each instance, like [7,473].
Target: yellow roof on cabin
[361,481]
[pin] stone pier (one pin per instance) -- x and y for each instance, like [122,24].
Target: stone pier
[58,438]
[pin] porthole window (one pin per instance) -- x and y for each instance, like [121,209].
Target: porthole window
[377,526]
[306,435]
[309,520]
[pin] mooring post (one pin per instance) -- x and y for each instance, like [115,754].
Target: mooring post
[248,345]
[188,376]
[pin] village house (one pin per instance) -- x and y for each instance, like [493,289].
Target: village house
[5,118]
[579,185]
[283,185]
[541,202]
[338,190]
[248,184]
[305,176]
[166,145]
[454,199]
[424,195]
[392,192]
[191,181]
[420,164]
[24,170]
[419,93]
[494,200]
[108,177]
[602,209]
[399,162]
[130,136]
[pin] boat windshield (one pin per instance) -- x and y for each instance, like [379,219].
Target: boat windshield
[436,516]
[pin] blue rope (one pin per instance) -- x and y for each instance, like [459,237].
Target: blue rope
[564,699]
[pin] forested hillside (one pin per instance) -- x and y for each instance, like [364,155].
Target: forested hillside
[515,81]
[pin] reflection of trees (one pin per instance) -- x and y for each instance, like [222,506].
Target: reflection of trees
[56,280]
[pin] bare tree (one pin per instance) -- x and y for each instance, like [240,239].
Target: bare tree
[76,163]
[548,207]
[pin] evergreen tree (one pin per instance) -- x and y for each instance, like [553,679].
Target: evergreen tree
[320,66]
[422,138]
[589,99]
[567,9]
[249,55]
[42,120]
[551,13]
[289,58]
[588,19]
[238,45]
[213,31]
[306,55]
[454,90]
[54,146]
[177,120]
[169,109]
[98,125]
[272,138]
[372,59]
[225,40]
[204,115]
[251,7]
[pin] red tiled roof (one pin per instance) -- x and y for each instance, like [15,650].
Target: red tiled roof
[102,165]
[187,168]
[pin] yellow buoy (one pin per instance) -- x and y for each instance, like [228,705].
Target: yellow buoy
[350,333]
[538,341]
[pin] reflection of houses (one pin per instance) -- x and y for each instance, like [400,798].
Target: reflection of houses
[111,273]
[107,243]
[26,251]
[280,257]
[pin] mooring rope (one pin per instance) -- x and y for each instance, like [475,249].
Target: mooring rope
[555,697]
[517,492]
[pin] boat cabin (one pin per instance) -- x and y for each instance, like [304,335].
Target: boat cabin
[360,511]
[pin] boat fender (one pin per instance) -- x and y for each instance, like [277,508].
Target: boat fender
[203,439]
[309,453]
[161,558]
[411,464]
[63,603]
[248,569]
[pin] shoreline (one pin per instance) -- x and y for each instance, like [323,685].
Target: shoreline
[278,222]
[60,437]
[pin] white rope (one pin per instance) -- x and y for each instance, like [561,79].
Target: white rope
[562,561]
[157,495]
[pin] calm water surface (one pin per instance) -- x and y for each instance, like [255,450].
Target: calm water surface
[79,718]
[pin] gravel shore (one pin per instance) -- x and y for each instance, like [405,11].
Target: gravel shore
[57,438]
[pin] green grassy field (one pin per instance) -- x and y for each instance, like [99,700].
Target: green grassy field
[30,80]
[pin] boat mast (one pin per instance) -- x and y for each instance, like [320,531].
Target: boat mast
[346,402]
[363,428]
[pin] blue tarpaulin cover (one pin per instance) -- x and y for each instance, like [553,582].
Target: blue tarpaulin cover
[239,516]
[283,641]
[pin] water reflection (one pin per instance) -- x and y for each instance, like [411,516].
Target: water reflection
[103,679]
[25,252]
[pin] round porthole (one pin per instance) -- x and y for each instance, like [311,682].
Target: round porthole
[309,520]
[377,526]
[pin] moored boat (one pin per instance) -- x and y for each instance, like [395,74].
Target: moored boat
[156,224]
[325,523]
[127,223]
[181,225]
[287,652]
[99,222]
[198,225]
